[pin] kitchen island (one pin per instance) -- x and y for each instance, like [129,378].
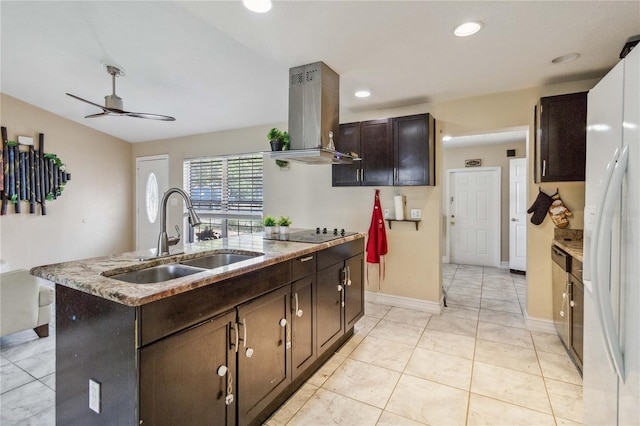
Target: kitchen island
[220,346]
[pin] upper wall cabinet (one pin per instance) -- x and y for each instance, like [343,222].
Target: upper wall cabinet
[561,136]
[414,150]
[395,151]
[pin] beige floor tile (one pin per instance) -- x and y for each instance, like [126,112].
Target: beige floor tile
[501,305]
[390,419]
[566,399]
[449,343]
[508,356]
[461,311]
[329,408]
[363,382]
[292,405]
[466,281]
[382,353]
[497,295]
[457,299]
[465,291]
[502,318]
[456,325]
[503,334]
[320,376]
[488,411]
[441,368]
[376,310]
[408,316]
[428,402]
[350,345]
[566,422]
[509,385]
[397,332]
[545,342]
[559,367]
[365,325]
[498,285]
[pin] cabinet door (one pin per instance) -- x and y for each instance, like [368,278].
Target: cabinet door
[376,141]
[577,318]
[563,137]
[414,150]
[303,333]
[263,357]
[172,368]
[348,140]
[329,307]
[354,291]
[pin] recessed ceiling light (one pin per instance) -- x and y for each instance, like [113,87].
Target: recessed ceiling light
[363,94]
[258,6]
[467,28]
[565,58]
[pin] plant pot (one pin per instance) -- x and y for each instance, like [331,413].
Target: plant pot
[284,230]
[268,231]
[276,145]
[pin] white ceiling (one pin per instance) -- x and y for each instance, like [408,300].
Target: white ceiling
[215,65]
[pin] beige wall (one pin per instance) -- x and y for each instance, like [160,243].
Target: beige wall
[93,216]
[413,265]
[494,155]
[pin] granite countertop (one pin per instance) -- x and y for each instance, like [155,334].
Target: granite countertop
[92,275]
[569,240]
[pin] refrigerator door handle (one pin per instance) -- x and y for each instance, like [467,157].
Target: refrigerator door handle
[601,255]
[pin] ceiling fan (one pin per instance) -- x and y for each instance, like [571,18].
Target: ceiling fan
[113,103]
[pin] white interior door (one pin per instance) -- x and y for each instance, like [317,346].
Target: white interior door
[152,181]
[474,216]
[518,214]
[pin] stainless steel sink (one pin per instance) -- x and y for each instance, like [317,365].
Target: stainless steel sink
[157,274]
[217,260]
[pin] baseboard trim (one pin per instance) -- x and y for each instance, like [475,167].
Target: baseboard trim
[404,302]
[540,325]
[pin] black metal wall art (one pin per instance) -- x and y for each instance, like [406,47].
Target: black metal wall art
[29,174]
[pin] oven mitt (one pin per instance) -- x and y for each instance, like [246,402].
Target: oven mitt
[540,207]
[559,212]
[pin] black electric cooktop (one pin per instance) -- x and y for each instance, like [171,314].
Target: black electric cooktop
[314,236]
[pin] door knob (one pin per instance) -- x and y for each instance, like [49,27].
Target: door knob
[513,219]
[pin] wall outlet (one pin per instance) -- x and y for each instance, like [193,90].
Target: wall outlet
[95,398]
[416,213]
[385,213]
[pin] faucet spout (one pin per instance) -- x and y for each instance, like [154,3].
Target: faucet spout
[163,240]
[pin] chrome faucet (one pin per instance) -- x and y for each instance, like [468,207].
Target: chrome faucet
[164,242]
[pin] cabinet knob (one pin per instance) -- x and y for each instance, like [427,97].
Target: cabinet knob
[283,322]
[299,313]
[339,287]
[222,370]
[572,304]
[249,352]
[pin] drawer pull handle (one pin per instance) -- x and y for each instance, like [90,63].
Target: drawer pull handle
[306,259]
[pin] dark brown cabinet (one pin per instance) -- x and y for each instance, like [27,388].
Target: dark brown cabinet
[577,311]
[373,141]
[303,314]
[202,358]
[394,151]
[354,290]
[561,135]
[263,352]
[330,310]
[414,150]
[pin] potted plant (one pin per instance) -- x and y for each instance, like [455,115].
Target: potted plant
[284,223]
[276,139]
[269,223]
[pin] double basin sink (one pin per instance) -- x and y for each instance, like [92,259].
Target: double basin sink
[161,273]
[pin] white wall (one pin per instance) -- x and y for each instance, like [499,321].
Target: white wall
[94,214]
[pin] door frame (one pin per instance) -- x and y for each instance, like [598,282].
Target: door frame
[512,247]
[138,160]
[497,187]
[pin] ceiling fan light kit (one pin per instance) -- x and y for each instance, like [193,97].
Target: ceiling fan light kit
[113,103]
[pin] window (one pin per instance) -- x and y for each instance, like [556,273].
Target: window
[227,194]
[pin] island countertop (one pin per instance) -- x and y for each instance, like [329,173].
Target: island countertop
[92,275]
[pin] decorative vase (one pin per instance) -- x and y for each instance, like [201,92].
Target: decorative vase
[268,231]
[276,145]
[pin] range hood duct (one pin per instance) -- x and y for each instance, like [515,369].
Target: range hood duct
[314,106]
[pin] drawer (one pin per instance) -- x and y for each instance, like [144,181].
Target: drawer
[339,253]
[561,258]
[303,266]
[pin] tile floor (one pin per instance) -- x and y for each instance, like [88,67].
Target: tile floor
[473,364]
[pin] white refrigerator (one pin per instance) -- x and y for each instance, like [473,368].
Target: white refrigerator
[611,364]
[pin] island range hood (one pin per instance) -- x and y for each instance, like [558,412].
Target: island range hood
[314,104]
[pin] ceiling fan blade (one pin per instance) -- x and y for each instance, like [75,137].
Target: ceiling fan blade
[150,116]
[86,101]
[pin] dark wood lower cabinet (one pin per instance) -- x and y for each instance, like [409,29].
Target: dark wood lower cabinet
[303,333]
[264,353]
[354,291]
[329,314]
[184,378]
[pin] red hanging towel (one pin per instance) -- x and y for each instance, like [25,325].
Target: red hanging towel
[377,241]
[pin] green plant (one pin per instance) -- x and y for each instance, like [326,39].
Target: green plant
[269,221]
[275,135]
[284,221]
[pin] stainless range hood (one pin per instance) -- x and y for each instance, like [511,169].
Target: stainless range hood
[314,104]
